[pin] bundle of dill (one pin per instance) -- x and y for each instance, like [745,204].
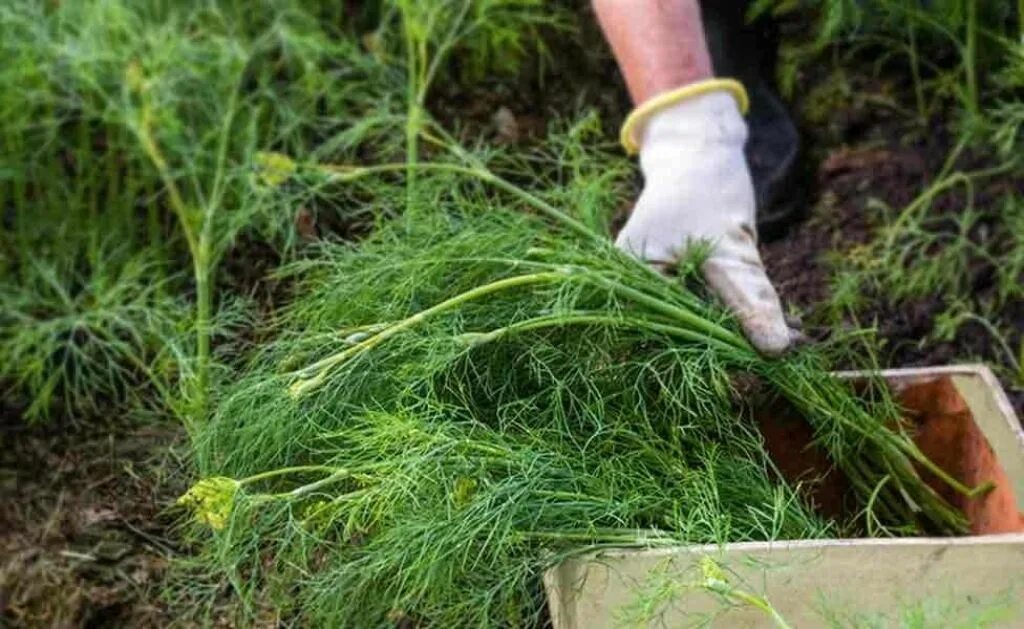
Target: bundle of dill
[475,391]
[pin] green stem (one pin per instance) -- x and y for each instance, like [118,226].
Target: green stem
[894,451]
[22,211]
[175,199]
[414,110]
[584,318]
[348,173]
[970,60]
[687,317]
[204,264]
[602,536]
[284,471]
[85,178]
[943,182]
[915,73]
[1011,358]
[1020,21]
[911,450]
[201,269]
[1020,363]
[298,492]
[324,366]
[760,603]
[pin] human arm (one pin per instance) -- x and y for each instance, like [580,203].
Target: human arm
[690,133]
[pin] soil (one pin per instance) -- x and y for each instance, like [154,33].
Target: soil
[863,153]
[84,531]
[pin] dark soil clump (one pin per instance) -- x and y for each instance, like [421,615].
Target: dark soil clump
[83,525]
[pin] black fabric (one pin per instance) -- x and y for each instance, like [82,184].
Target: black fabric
[748,52]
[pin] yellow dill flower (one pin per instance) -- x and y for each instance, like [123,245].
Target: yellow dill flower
[212,500]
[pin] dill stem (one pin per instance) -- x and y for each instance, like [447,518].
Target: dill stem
[687,317]
[944,182]
[199,247]
[887,502]
[348,173]
[284,471]
[201,269]
[601,536]
[915,73]
[19,197]
[176,201]
[759,603]
[911,450]
[412,112]
[339,474]
[1015,364]
[895,451]
[1020,23]
[970,60]
[576,318]
[323,366]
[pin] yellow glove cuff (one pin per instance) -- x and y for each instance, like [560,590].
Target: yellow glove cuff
[628,134]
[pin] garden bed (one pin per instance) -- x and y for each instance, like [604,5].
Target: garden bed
[961,419]
[88,532]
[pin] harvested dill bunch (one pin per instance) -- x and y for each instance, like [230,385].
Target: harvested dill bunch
[470,395]
[438,474]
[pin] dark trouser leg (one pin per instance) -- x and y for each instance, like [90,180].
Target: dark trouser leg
[748,54]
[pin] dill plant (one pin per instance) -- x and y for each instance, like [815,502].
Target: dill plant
[134,123]
[81,338]
[475,391]
[436,477]
[152,112]
[963,40]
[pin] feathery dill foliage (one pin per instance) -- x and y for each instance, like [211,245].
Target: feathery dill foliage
[79,339]
[136,123]
[950,48]
[128,138]
[475,391]
[437,475]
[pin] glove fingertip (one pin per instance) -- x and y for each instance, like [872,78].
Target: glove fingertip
[770,338]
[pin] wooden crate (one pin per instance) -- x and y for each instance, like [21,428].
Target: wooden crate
[806,580]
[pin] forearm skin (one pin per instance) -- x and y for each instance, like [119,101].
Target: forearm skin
[658,44]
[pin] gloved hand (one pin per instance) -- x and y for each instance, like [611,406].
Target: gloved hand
[697,187]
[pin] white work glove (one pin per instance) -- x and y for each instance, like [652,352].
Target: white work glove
[697,187]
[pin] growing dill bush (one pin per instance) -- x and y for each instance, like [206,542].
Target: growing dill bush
[83,337]
[962,64]
[126,176]
[137,122]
